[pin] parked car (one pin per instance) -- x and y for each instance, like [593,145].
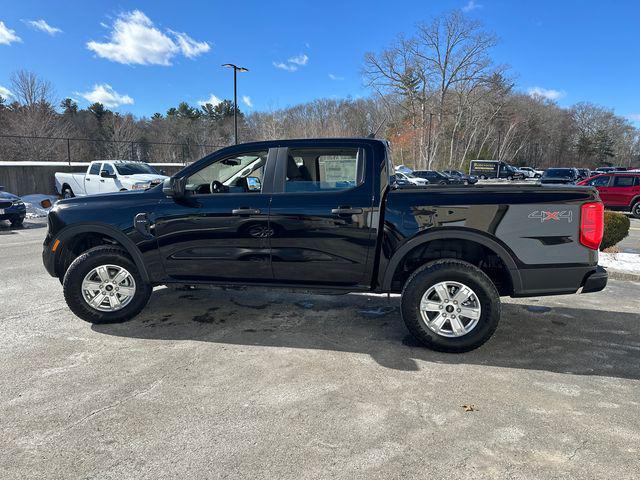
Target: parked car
[560,176]
[485,169]
[410,178]
[403,181]
[530,172]
[108,177]
[618,191]
[12,208]
[609,169]
[437,178]
[466,179]
[321,215]
[583,173]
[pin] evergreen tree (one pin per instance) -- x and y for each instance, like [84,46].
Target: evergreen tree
[603,146]
[69,107]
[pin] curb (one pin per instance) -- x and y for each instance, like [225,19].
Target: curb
[618,275]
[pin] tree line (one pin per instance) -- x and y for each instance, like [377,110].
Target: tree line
[436,94]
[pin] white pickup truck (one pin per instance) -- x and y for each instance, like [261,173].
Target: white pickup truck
[108,176]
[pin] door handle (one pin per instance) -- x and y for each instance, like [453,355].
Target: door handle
[245,211]
[346,211]
[102,180]
[88,179]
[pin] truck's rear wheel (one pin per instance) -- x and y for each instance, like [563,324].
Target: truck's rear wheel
[67,192]
[103,285]
[450,306]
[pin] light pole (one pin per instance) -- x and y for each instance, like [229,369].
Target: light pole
[236,69]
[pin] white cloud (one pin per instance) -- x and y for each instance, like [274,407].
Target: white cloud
[189,47]
[470,6]
[134,39]
[335,77]
[43,26]
[213,100]
[301,60]
[285,66]
[546,93]
[247,101]
[7,36]
[106,95]
[5,92]
[293,63]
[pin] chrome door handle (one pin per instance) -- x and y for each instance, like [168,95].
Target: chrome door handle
[346,211]
[245,211]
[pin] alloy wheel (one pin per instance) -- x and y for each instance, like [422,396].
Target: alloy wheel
[108,288]
[450,309]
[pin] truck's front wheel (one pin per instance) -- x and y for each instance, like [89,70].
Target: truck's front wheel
[450,306]
[103,285]
[67,192]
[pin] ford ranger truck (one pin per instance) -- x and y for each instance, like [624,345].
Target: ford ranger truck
[325,215]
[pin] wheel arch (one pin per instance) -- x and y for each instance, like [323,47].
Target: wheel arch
[67,234]
[429,236]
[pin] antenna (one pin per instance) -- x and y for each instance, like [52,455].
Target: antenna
[373,135]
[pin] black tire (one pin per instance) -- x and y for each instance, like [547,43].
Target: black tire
[635,210]
[483,177]
[510,178]
[17,222]
[67,192]
[81,266]
[442,182]
[451,270]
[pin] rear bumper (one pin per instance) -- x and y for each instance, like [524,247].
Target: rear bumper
[537,282]
[595,281]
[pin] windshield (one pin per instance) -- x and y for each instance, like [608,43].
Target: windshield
[558,172]
[135,169]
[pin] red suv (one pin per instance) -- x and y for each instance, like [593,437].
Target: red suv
[618,191]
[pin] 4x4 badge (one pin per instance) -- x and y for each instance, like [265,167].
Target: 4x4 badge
[545,216]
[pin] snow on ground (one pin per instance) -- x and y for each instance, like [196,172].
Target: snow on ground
[34,208]
[621,262]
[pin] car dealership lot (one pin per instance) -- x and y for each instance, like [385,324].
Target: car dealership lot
[271,384]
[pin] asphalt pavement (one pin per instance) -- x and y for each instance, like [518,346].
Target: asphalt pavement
[216,383]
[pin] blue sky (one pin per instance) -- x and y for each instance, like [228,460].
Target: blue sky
[297,51]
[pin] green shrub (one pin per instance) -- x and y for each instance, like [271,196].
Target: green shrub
[616,227]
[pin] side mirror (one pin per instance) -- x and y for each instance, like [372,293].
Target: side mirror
[174,187]
[254,184]
[105,174]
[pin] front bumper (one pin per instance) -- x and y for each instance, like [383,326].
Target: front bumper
[13,213]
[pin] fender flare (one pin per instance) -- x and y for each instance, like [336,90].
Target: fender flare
[69,232]
[442,234]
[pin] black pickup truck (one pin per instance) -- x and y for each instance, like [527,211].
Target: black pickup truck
[324,215]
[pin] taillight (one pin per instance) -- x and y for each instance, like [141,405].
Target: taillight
[591,224]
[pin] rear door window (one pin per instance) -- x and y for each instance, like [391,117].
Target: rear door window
[323,169]
[95,169]
[623,181]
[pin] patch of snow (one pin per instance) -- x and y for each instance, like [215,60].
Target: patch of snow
[622,262]
[34,208]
